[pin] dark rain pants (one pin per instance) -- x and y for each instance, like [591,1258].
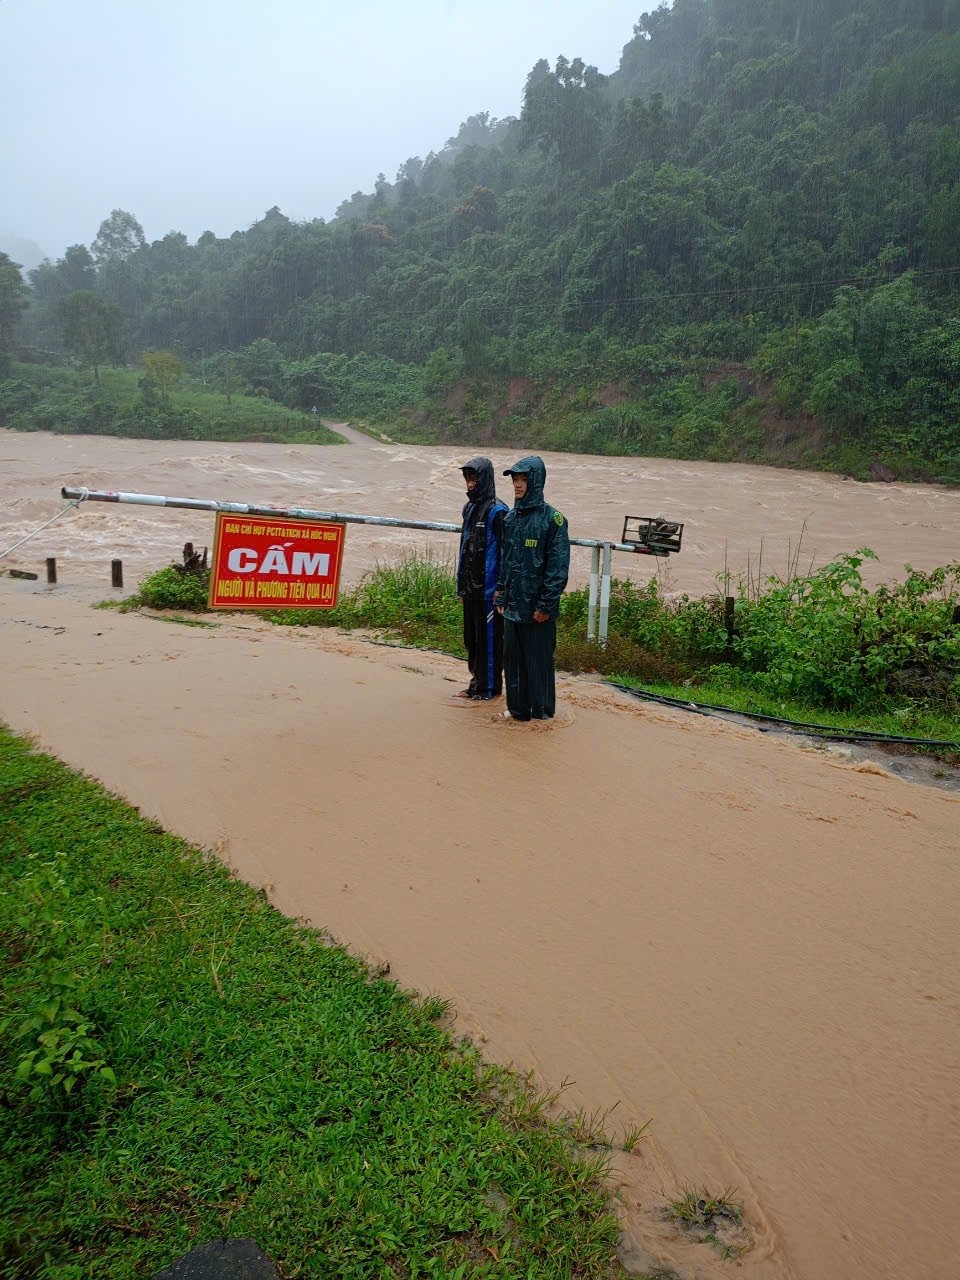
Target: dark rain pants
[528,666]
[483,641]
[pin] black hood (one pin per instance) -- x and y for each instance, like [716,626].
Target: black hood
[486,489]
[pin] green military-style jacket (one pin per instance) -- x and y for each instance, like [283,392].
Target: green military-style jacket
[535,557]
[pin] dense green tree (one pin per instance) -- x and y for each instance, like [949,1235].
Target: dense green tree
[76,269]
[12,303]
[91,329]
[119,236]
[164,369]
[564,111]
[260,366]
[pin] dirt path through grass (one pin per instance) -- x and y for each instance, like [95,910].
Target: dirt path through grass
[751,943]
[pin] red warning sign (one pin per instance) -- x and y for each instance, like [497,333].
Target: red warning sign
[273,562]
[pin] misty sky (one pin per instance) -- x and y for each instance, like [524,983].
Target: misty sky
[197,114]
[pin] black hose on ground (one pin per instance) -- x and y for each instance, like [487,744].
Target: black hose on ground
[822,730]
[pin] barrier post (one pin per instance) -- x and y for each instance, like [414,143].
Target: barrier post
[594,592]
[605,592]
[116,573]
[51,569]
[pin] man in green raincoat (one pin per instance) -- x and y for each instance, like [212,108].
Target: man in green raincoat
[534,564]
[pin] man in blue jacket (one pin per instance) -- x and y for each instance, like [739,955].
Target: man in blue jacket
[534,564]
[478,568]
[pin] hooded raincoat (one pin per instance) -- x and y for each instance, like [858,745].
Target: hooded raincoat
[534,565]
[535,560]
[478,568]
[478,564]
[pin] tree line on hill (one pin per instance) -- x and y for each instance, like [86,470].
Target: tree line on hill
[761,185]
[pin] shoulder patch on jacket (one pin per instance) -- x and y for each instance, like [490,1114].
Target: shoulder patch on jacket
[558,517]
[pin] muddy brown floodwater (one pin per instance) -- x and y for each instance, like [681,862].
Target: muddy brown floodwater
[748,942]
[741,517]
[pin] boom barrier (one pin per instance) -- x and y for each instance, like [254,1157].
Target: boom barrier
[652,536]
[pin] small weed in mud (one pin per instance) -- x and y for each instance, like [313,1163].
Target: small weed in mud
[589,1129]
[592,1129]
[697,1208]
[634,1134]
[714,1220]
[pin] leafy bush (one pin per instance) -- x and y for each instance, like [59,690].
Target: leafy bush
[16,396]
[826,638]
[171,588]
[365,386]
[682,633]
[56,1048]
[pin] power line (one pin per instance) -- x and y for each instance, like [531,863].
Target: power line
[596,304]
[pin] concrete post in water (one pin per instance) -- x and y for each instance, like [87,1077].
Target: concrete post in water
[51,569]
[116,573]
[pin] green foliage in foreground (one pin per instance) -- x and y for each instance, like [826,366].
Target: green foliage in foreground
[250,1079]
[821,639]
[171,588]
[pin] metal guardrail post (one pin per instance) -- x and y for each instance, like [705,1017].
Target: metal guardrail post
[605,592]
[594,592]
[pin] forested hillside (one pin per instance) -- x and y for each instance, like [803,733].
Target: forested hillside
[742,243]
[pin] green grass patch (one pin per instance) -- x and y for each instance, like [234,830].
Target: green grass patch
[65,400]
[241,1075]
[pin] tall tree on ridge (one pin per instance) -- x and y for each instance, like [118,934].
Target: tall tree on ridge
[12,302]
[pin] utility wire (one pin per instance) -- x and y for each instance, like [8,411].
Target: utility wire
[616,301]
[69,507]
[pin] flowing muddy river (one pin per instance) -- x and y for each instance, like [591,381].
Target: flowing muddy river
[744,518]
[749,942]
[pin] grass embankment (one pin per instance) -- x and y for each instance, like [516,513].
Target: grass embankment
[818,648]
[193,1064]
[49,398]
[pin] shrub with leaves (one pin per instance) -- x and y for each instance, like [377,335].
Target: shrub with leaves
[171,588]
[57,1051]
[826,638]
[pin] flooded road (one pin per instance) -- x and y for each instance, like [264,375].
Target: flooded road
[748,942]
[739,517]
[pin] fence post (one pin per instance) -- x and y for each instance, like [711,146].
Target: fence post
[594,592]
[605,592]
[116,573]
[51,569]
